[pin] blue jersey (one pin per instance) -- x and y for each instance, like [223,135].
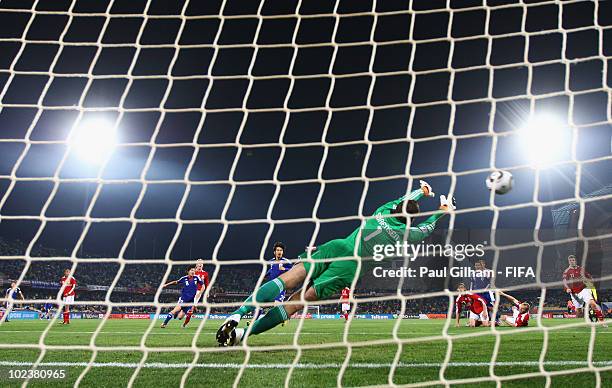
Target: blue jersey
[48,306]
[275,268]
[480,282]
[14,294]
[190,287]
[483,283]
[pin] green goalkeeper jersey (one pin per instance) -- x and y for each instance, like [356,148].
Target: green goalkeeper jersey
[328,277]
[381,229]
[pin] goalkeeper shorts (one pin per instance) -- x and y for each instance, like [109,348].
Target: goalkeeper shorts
[329,277]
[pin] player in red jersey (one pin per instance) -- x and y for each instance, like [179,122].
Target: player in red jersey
[68,283]
[520,313]
[344,299]
[479,315]
[204,276]
[575,281]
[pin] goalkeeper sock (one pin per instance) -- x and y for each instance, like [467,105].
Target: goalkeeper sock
[168,318]
[266,293]
[273,317]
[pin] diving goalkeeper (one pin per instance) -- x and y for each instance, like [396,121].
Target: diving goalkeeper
[387,226]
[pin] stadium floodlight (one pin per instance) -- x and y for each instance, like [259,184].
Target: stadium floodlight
[543,139]
[93,140]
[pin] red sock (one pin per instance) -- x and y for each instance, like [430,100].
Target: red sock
[598,314]
[66,317]
[187,318]
[346,317]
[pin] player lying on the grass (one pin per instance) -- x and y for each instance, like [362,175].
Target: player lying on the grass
[483,282]
[520,312]
[479,314]
[46,311]
[579,284]
[185,303]
[11,295]
[68,287]
[386,227]
[203,275]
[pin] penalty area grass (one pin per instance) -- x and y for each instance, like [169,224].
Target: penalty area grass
[413,351]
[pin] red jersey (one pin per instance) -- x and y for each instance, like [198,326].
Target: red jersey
[570,305]
[346,293]
[203,275]
[476,302]
[520,319]
[574,279]
[70,283]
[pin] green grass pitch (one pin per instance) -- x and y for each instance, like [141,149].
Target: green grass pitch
[372,352]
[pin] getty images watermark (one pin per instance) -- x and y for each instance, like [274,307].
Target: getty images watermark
[459,252]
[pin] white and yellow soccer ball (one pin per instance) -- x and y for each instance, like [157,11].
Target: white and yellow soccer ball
[500,180]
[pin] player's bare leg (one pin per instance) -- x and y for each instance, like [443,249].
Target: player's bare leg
[266,293]
[503,320]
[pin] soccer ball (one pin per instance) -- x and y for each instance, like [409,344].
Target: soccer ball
[500,181]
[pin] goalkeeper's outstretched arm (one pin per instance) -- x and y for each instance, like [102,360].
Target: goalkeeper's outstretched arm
[415,195]
[424,229]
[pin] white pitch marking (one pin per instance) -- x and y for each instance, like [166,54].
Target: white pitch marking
[161,365]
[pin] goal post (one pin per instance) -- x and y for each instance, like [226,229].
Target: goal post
[314,311]
[137,137]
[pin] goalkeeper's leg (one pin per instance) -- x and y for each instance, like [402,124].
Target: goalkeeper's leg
[270,290]
[266,293]
[281,313]
[339,274]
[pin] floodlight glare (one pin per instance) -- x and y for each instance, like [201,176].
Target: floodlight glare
[543,139]
[94,140]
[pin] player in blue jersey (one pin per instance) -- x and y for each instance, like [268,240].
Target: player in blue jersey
[278,266]
[11,294]
[482,281]
[190,284]
[46,310]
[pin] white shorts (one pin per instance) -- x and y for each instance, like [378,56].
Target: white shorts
[582,298]
[346,307]
[478,317]
[69,299]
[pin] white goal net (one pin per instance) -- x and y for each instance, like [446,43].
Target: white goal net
[139,136]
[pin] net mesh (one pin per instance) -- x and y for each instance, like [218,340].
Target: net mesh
[272,75]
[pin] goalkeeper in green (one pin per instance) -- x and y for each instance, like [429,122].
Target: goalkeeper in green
[387,226]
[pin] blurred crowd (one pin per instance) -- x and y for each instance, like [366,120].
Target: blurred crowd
[139,283]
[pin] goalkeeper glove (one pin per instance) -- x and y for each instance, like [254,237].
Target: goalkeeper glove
[449,202]
[427,186]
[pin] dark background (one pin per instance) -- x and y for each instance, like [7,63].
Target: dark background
[355,106]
